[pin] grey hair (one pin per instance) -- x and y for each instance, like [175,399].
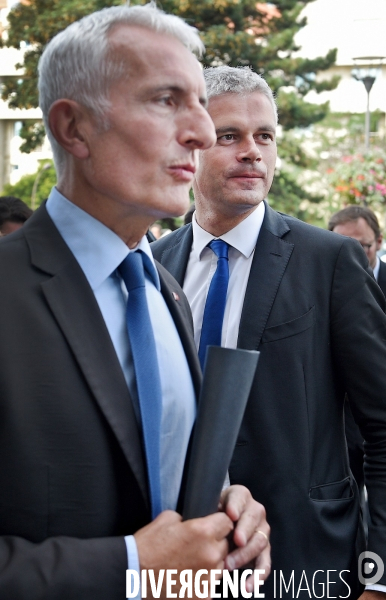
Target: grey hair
[76,63]
[237,80]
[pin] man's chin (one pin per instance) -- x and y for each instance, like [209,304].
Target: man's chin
[245,200]
[175,207]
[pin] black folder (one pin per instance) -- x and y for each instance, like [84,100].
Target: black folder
[227,382]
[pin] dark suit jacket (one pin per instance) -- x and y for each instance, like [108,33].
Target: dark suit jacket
[315,313]
[382,277]
[72,473]
[353,434]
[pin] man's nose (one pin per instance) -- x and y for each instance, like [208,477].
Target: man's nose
[197,131]
[249,151]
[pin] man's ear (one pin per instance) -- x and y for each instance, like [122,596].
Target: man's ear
[67,119]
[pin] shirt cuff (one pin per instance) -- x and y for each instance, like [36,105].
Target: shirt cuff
[133,560]
[376,587]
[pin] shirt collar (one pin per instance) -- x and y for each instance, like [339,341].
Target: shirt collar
[98,250]
[243,237]
[376,268]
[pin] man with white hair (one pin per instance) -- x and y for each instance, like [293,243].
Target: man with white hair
[98,371]
[307,300]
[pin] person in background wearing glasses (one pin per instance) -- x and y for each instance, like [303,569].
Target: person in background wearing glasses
[360,223]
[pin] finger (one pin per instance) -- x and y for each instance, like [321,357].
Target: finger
[223,550]
[168,516]
[263,563]
[253,549]
[217,526]
[252,519]
[234,500]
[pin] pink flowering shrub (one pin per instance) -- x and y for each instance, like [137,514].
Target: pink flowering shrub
[360,178]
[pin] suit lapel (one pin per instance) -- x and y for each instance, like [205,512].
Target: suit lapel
[175,258]
[183,321]
[77,313]
[270,260]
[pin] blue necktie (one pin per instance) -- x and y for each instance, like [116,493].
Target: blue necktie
[145,365]
[215,301]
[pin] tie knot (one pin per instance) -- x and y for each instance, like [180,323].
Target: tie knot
[220,248]
[132,272]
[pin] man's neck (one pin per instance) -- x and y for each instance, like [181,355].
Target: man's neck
[218,224]
[128,225]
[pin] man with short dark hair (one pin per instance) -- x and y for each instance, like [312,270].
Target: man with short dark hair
[361,223]
[13,214]
[306,299]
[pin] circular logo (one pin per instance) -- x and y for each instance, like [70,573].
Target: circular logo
[373,568]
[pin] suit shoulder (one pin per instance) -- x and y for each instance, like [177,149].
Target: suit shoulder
[169,241]
[13,250]
[316,236]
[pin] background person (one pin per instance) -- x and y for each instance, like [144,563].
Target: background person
[13,214]
[189,214]
[306,299]
[361,223]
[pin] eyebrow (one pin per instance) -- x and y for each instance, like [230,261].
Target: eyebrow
[223,130]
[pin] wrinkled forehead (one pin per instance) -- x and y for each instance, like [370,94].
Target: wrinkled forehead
[253,109]
[145,55]
[132,40]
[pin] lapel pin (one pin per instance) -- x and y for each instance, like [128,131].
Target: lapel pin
[175,296]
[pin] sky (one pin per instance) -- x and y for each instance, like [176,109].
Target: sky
[355,27]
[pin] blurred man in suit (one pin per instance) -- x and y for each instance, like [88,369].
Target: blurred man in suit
[90,451]
[361,223]
[307,300]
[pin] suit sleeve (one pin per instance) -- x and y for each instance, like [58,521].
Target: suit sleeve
[63,568]
[358,332]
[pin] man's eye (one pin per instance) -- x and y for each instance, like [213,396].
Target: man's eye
[227,137]
[166,100]
[266,137]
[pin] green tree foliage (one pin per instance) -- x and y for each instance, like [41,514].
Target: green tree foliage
[235,32]
[35,24]
[36,186]
[243,32]
[289,189]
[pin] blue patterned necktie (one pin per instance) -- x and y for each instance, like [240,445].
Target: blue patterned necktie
[215,301]
[146,367]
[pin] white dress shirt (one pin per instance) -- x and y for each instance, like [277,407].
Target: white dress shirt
[202,266]
[376,268]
